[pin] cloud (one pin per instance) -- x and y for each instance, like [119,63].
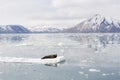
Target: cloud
[65,11]
[55,11]
[82,8]
[83,3]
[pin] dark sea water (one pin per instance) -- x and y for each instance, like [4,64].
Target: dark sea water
[87,56]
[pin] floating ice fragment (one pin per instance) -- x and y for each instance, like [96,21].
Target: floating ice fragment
[107,74]
[33,60]
[82,67]
[1,72]
[112,73]
[80,72]
[72,79]
[62,50]
[25,73]
[60,44]
[94,70]
[104,74]
[84,61]
[86,75]
[1,52]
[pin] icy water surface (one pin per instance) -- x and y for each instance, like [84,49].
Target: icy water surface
[88,56]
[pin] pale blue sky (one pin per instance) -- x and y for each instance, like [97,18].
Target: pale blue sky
[55,12]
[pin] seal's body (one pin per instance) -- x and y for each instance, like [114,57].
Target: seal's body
[50,56]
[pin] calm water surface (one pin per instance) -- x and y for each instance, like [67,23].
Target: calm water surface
[88,56]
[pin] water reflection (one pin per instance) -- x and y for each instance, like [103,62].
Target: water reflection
[12,38]
[96,41]
[56,64]
[96,49]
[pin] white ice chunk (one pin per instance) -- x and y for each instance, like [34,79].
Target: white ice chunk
[33,60]
[94,70]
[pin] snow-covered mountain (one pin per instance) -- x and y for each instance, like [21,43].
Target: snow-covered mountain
[45,29]
[97,24]
[53,30]
[13,29]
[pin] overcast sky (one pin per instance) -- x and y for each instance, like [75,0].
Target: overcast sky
[55,12]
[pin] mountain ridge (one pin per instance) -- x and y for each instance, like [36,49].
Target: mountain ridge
[96,24]
[13,29]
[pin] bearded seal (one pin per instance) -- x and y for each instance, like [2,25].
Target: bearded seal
[50,56]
